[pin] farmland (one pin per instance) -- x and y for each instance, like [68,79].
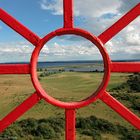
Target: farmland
[65,86]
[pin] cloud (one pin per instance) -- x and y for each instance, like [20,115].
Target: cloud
[127,43]
[73,51]
[96,16]
[69,49]
[96,8]
[15,51]
[92,15]
[127,5]
[55,6]
[15,47]
[21,51]
[133,38]
[132,33]
[88,8]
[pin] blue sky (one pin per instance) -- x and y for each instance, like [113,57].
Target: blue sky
[44,16]
[29,13]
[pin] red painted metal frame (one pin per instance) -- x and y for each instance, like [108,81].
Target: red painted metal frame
[18,27]
[20,110]
[14,69]
[109,66]
[94,96]
[120,24]
[121,109]
[125,67]
[68,13]
[70,124]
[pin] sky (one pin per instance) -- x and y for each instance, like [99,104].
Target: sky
[45,16]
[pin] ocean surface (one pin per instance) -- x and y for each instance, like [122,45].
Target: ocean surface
[78,66]
[67,63]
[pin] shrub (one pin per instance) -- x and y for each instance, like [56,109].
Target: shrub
[136,104]
[131,85]
[45,131]
[134,82]
[52,128]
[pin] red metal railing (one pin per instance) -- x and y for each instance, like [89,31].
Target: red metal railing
[70,108]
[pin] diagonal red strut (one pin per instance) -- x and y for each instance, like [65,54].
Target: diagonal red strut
[14,68]
[125,67]
[68,13]
[20,110]
[120,24]
[121,109]
[18,27]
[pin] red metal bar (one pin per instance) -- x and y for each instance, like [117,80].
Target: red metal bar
[18,27]
[70,124]
[68,13]
[120,24]
[17,112]
[14,68]
[121,109]
[125,67]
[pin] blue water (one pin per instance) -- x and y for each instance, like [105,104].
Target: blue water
[78,66]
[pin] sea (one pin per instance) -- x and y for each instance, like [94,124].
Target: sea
[78,66]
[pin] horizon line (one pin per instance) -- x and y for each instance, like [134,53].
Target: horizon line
[115,60]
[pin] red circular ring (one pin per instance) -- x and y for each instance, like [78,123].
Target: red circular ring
[72,105]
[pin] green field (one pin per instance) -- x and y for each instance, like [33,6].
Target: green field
[65,86]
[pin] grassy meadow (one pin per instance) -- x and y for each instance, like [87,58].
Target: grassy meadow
[65,86]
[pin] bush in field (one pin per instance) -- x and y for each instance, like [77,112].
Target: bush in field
[30,123]
[131,85]
[134,82]
[130,135]
[39,69]
[57,124]
[53,128]
[12,133]
[94,127]
[45,131]
[94,123]
[95,134]
[136,104]
[46,73]
[134,100]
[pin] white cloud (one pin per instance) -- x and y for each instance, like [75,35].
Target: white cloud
[21,51]
[15,47]
[127,5]
[96,8]
[126,44]
[132,33]
[15,51]
[88,8]
[133,38]
[69,51]
[97,15]
[55,6]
